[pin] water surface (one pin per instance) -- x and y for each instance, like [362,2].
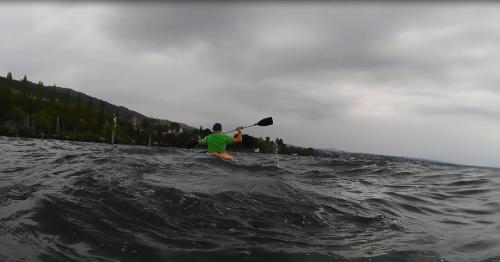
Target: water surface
[71,201]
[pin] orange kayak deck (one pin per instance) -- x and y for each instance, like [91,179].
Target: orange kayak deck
[224,156]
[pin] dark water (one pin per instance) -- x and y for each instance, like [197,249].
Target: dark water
[68,201]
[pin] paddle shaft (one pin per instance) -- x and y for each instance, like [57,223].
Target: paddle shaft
[241,128]
[264,122]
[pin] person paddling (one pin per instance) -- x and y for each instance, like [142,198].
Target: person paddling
[217,141]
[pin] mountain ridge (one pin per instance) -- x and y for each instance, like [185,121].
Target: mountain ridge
[61,92]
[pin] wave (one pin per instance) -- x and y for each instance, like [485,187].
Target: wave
[71,201]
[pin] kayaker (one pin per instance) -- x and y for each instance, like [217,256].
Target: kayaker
[217,141]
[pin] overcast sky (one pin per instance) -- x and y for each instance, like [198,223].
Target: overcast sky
[418,79]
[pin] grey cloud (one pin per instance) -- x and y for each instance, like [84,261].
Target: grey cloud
[460,111]
[339,39]
[286,101]
[157,26]
[342,38]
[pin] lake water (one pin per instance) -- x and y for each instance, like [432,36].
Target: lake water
[71,201]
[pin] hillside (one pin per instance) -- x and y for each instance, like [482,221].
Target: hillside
[62,93]
[35,110]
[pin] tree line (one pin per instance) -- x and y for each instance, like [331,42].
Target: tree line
[42,112]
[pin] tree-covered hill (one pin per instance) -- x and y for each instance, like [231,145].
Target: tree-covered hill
[36,110]
[66,94]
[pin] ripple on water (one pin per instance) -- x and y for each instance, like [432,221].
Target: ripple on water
[72,201]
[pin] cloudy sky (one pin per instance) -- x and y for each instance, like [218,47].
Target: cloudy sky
[417,79]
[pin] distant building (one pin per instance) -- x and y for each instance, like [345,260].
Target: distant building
[136,122]
[175,132]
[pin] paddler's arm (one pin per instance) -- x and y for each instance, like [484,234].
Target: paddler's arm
[239,136]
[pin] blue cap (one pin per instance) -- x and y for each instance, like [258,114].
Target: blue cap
[217,127]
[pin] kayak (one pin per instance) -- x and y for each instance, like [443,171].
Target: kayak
[224,156]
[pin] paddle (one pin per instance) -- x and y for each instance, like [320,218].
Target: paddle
[264,122]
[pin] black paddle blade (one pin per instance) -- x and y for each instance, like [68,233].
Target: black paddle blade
[265,122]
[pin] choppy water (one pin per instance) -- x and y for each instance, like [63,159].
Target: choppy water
[68,201]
